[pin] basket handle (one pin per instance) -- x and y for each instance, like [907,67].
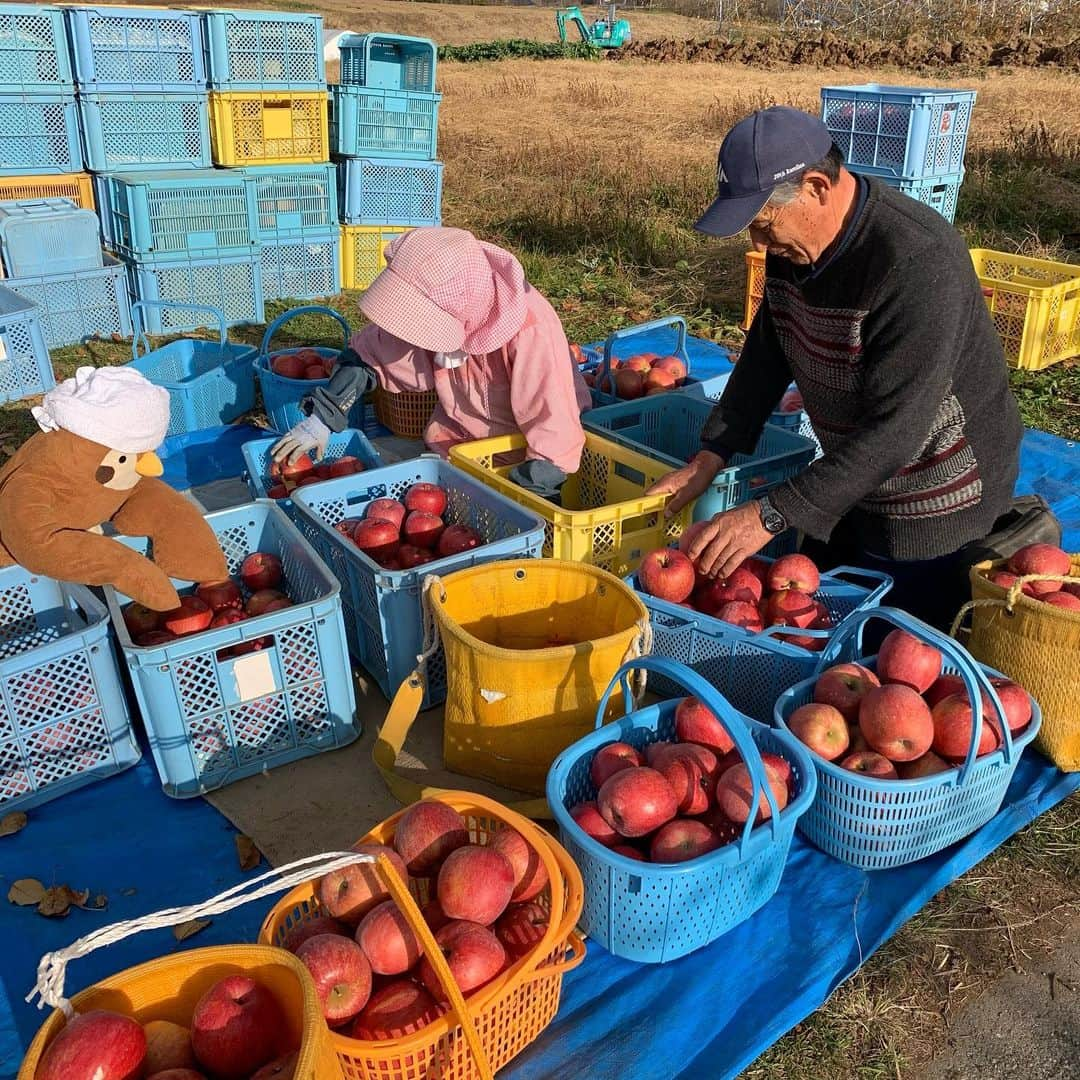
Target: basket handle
[882,582]
[307,309]
[139,337]
[976,682]
[734,723]
[643,328]
[572,957]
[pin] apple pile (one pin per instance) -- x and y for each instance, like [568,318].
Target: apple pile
[237,1032]
[302,364]
[368,966]
[640,376]
[791,402]
[754,595]
[214,604]
[401,535]
[908,720]
[680,799]
[285,477]
[1041,559]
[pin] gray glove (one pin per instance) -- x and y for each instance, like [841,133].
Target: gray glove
[540,477]
[310,434]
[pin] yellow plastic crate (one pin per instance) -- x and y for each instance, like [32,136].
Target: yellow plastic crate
[362,252]
[74,186]
[269,128]
[606,519]
[755,285]
[1035,305]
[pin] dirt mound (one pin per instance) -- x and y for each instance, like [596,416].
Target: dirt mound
[829,50]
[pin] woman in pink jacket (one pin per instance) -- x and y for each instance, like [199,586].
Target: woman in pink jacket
[456,315]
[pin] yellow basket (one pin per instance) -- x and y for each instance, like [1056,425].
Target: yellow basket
[74,186]
[269,128]
[363,250]
[508,1013]
[170,988]
[1038,646]
[606,518]
[1035,305]
[755,286]
[406,414]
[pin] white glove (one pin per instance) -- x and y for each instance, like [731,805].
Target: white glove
[310,434]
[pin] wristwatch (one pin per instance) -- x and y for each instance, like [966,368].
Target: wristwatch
[771,518]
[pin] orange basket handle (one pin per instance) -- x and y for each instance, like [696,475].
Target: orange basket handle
[573,955]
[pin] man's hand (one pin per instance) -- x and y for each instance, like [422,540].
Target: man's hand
[728,540]
[688,483]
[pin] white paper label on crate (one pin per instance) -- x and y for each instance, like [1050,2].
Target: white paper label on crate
[254,676]
[491,696]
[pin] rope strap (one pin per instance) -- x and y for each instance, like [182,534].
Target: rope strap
[1012,595]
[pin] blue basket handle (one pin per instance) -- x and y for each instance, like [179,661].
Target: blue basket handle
[643,328]
[733,721]
[976,682]
[883,582]
[307,309]
[139,336]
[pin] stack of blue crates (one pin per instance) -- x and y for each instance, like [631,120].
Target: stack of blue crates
[911,138]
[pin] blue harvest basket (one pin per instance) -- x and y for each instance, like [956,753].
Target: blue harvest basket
[653,912]
[214,718]
[124,50]
[25,368]
[383,123]
[384,608]
[47,236]
[33,49]
[303,267]
[125,132]
[292,201]
[753,669]
[798,422]
[880,824]
[906,132]
[209,382]
[938,192]
[39,133]
[64,721]
[265,50]
[388,62]
[383,191]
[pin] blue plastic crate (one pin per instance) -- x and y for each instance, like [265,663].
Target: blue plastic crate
[39,133]
[292,201]
[74,305]
[382,191]
[939,192]
[126,133]
[33,49]
[383,608]
[303,268]
[232,283]
[753,669]
[182,214]
[388,62]
[213,718]
[64,721]
[907,132]
[265,50]
[25,368]
[42,236]
[130,49]
[209,382]
[654,912]
[383,123]
[881,824]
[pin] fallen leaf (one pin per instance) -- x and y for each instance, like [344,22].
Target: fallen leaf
[26,892]
[189,929]
[100,901]
[56,902]
[246,851]
[12,823]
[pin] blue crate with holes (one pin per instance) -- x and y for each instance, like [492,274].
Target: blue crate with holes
[33,49]
[41,236]
[133,133]
[906,132]
[265,50]
[236,700]
[383,123]
[301,268]
[25,368]
[209,382]
[388,62]
[74,305]
[383,608]
[39,133]
[382,191]
[64,720]
[292,201]
[230,283]
[881,824]
[654,912]
[938,192]
[131,49]
[752,669]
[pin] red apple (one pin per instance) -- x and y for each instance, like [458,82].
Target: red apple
[642,364]
[1015,701]
[475,883]
[475,956]
[738,613]
[1071,587]
[790,607]
[220,594]
[376,538]
[396,1010]
[1062,599]
[718,593]
[183,1074]
[843,686]
[321,924]
[1006,581]
[667,574]
[521,927]
[759,568]
[341,973]
[422,529]
[742,577]
[904,659]
[689,534]
[896,722]
[871,764]
[388,941]
[350,893]
[692,772]
[95,1045]
[629,852]
[434,915]
[695,722]
[794,572]
[1041,559]
[190,617]
[659,381]
[282,1068]
[226,617]
[141,620]
[587,817]
[168,1046]
[259,603]
[277,491]
[953,725]
[636,801]
[291,470]
[261,570]
[316,371]
[426,498]
[681,840]
[804,641]
[943,687]
[386,510]
[456,539]
[346,526]
[409,557]
[530,873]
[673,366]
[346,466]
[822,728]
[734,793]
[426,833]
[288,366]
[154,638]
[856,739]
[236,1027]
[927,765]
[610,759]
[791,402]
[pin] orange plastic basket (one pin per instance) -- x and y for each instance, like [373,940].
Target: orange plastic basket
[508,1013]
[406,414]
[755,286]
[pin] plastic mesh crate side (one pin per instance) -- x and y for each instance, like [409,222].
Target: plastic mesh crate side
[383,123]
[938,192]
[265,51]
[363,253]
[306,268]
[388,61]
[39,133]
[269,128]
[48,236]
[78,187]
[348,443]
[25,368]
[291,201]
[125,133]
[33,49]
[380,191]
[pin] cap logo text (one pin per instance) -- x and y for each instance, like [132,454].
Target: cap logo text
[787,172]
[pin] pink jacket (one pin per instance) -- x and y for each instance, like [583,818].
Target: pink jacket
[530,385]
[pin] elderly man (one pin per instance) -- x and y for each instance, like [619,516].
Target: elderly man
[873,308]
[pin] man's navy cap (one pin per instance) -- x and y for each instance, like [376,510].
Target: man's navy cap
[758,153]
